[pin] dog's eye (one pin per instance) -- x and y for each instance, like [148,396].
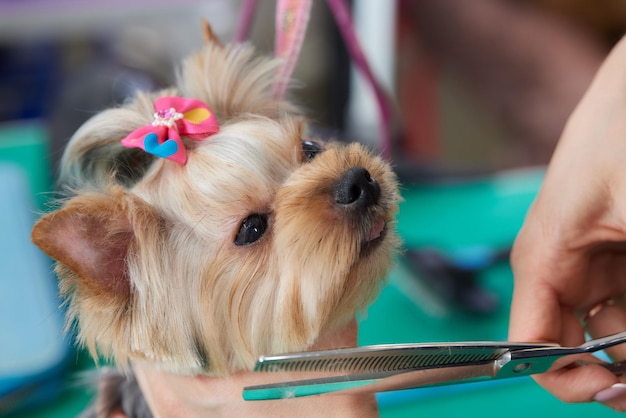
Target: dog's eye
[310,149]
[251,229]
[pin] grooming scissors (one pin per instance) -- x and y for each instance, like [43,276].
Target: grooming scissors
[381,368]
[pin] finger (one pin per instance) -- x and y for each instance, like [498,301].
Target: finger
[535,313]
[613,397]
[579,384]
[573,383]
[607,319]
[591,382]
[535,307]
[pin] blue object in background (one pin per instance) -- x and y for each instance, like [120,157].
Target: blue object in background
[33,352]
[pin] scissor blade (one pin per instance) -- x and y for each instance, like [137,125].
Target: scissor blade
[372,382]
[389,357]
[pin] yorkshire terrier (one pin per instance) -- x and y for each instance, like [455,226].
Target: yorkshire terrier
[204,229]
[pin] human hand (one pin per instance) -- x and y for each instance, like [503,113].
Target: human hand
[570,255]
[173,396]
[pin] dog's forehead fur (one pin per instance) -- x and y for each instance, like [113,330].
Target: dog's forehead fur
[232,174]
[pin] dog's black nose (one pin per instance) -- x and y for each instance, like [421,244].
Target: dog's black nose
[357,188]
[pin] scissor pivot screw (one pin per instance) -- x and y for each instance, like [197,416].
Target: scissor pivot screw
[522,367]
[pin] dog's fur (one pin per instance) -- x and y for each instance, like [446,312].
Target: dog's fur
[145,247]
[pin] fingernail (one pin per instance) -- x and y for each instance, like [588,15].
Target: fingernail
[614,392]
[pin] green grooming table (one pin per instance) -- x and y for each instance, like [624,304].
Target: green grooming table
[453,217]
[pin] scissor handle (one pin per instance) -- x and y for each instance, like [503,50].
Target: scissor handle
[540,360]
[603,343]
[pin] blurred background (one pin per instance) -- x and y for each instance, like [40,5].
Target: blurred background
[480,92]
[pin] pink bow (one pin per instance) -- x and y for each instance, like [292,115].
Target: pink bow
[174,116]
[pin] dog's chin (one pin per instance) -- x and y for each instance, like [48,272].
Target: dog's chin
[374,238]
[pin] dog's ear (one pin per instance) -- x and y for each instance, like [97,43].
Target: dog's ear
[92,236]
[208,35]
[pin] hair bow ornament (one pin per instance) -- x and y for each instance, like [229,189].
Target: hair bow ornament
[173,117]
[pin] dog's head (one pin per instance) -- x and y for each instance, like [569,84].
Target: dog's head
[261,242]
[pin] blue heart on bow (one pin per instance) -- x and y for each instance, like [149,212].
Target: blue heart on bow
[164,150]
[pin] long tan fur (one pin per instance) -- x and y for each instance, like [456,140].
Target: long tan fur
[147,263]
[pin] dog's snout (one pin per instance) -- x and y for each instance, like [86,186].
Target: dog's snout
[357,188]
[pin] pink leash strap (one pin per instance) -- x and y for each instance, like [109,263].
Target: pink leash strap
[292,19]
[246,13]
